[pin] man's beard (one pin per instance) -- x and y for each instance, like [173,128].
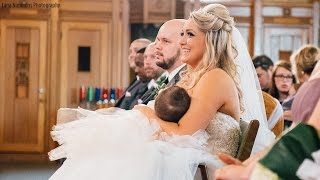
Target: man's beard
[168,63]
[151,73]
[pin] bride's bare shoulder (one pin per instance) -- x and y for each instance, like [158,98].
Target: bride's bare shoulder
[214,79]
[216,74]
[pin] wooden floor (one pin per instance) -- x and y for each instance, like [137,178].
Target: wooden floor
[27,171]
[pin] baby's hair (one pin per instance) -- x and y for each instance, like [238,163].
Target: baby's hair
[172,103]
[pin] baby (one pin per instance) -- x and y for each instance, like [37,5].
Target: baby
[172,103]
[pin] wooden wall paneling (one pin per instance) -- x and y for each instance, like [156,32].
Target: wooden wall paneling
[9,84]
[42,81]
[291,3]
[89,11]
[86,6]
[286,20]
[316,23]
[258,28]
[22,120]
[180,13]
[24,10]
[125,43]
[136,11]
[244,20]
[284,38]
[187,9]
[244,29]
[116,44]
[2,76]
[158,11]
[98,75]
[106,56]
[53,69]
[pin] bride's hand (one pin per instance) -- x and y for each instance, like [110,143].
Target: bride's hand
[147,111]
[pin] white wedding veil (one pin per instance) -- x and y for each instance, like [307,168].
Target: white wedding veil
[252,94]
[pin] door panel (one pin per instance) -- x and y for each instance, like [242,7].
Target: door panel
[76,78]
[22,113]
[88,35]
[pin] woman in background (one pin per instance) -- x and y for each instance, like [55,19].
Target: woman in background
[282,80]
[303,62]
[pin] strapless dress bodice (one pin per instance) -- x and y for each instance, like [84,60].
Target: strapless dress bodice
[224,132]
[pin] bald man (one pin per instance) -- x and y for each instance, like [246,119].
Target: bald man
[167,51]
[133,92]
[135,46]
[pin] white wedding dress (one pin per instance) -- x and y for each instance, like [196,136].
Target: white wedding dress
[120,144]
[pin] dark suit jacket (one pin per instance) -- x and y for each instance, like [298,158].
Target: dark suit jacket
[150,94]
[133,92]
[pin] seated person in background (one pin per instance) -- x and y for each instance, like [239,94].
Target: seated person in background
[263,65]
[127,98]
[282,81]
[137,89]
[154,72]
[285,157]
[306,98]
[303,62]
[172,103]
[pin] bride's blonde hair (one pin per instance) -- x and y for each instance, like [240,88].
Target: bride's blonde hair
[215,21]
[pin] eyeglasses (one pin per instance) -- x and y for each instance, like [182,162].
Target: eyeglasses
[283,77]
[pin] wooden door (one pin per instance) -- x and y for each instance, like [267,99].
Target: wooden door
[22,85]
[93,39]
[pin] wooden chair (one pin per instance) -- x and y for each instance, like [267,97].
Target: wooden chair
[270,105]
[248,135]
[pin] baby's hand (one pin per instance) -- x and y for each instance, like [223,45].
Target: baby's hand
[147,111]
[139,107]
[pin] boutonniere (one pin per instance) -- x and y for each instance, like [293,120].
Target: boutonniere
[160,84]
[128,94]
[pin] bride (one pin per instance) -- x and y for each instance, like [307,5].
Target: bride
[136,144]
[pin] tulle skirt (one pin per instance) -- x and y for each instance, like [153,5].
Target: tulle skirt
[120,144]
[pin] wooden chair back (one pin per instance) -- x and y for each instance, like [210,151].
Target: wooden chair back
[249,132]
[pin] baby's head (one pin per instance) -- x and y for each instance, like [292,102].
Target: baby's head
[172,103]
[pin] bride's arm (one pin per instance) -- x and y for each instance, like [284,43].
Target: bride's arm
[208,96]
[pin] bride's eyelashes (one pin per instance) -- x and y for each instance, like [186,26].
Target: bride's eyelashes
[189,34]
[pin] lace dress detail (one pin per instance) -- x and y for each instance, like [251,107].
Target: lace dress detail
[224,134]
